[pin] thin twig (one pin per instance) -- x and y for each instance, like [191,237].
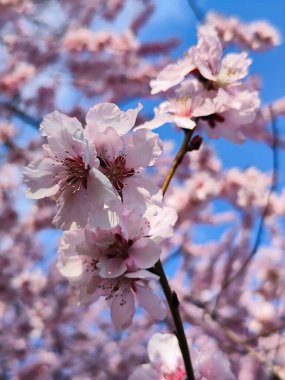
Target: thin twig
[170,295]
[177,161]
[20,114]
[265,333]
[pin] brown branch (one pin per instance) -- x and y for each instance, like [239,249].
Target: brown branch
[20,114]
[177,161]
[173,304]
[170,295]
[265,333]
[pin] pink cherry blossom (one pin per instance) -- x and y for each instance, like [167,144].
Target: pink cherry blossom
[69,171]
[205,59]
[235,110]
[172,74]
[182,111]
[124,156]
[132,245]
[120,292]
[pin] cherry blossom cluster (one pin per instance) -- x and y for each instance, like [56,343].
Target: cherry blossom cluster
[210,94]
[111,212]
[257,35]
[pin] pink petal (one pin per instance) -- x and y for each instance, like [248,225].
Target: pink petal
[110,268]
[123,308]
[143,150]
[60,130]
[183,122]
[156,122]
[73,209]
[171,75]
[99,188]
[142,273]
[150,302]
[164,349]
[145,253]
[106,115]
[39,178]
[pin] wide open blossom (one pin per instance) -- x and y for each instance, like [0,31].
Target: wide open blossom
[132,245]
[68,170]
[235,110]
[182,111]
[123,156]
[205,61]
[166,362]
[220,113]
[113,263]
[120,292]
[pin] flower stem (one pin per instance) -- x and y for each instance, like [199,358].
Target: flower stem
[177,161]
[170,295]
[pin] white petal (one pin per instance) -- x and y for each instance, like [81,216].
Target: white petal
[72,208]
[144,149]
[53,122]
[183,122]
[106,115]
[39,178]
[156,122]
[99,188]
[171,75]
[60,129]
[164,349]
[74,269]
[145,253]
[142,273]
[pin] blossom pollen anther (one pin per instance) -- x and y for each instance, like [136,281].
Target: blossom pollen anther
[116,171]
[75,174]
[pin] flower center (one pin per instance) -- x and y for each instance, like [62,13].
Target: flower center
[74,174]
[116,171]
[119,248]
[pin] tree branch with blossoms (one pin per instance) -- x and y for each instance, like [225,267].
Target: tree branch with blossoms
[171,296]
[99,175]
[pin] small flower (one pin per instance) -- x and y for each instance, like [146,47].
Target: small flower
[166,362]
[182,111]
